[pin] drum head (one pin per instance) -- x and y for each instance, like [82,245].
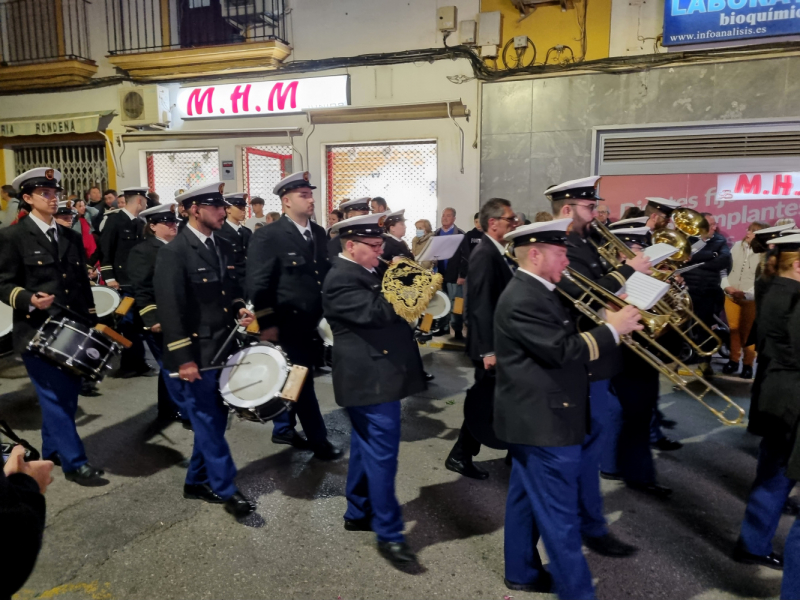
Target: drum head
[325,333]
[106,300]
[439,306]
[258,380]
[6,319]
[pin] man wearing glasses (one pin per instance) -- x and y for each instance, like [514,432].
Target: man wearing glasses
[376,363]
[578,200]
[603,214]
[42,270]
[287,264]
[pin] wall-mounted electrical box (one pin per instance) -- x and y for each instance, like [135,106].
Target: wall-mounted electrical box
[489,28]
[446,18]
[466,32]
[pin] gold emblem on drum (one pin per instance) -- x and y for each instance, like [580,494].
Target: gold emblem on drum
[221,187]
[49,174]
[381,221]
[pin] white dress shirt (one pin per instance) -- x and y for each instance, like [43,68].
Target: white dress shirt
[355,263]
[44,226]
[202,236]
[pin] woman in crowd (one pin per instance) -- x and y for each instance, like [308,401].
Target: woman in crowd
[740,306]
[421,240]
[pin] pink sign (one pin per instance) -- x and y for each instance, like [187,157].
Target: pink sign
[697,191]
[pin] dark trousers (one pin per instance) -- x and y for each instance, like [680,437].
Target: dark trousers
[770,490]
[307,406]
[543,501]
[638,398]
[131,326]
[58,398]
[168,388]
[370,491]
[593,523]
[466,445]
[211,461]
[790,588]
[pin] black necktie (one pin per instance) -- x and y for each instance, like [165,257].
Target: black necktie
[309,239]
[51,235]
[213,248]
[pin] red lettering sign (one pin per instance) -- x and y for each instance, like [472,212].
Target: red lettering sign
[277,90]
[782,185]
[198,100]
[245,96]
[748,186]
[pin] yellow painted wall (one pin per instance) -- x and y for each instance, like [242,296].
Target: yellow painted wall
[548,26]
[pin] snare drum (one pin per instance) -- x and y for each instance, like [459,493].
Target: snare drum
[106,300]
[6,327]
[253,388]
[75,347]
[439,306]
[325,333]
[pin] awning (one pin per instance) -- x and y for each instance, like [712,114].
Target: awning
[56,124]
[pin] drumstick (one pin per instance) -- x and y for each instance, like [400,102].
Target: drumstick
[79,317]
[204,369]
[244,387]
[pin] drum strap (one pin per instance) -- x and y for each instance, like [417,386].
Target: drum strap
[6,430]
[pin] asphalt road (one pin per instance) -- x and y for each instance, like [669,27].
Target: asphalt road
[138,538]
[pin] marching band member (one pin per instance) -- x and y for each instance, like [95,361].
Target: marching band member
[42,266]
[577,200]
[198,296]
[349,208]
[376,363]
[234,230]
[778,407]
[488,274]
[160,229]
[287,265]
[541,411]
[65,214]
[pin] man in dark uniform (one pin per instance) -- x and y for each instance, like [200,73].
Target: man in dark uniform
[121,232]
[577,200]
[489,272]
[42,269]
[376,364]
[541,410]
[235,232]
[199,298]
[287,264]
[349,208]
[161,227]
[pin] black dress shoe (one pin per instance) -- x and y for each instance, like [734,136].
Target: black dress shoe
[428,376]
[666,444]
[397,553]
[668,423]
[239,506]
[610,476]
[465,468]
[57,461]
[87,475]
[608,545]
[730,367]
[772,560]
[653,489]
[364,524]
[328,452]
[508,460]
[293,439]
[544,585]
[458,337]
[747,372]
[201,491]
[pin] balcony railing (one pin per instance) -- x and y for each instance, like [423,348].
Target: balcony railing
[136,26]
[39,31]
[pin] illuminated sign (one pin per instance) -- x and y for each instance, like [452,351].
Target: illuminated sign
[263,97]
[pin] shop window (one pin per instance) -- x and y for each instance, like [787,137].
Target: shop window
[81,165]
[262,168]
[404,173]
[169,174]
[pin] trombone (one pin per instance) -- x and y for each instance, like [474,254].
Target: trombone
[646,345]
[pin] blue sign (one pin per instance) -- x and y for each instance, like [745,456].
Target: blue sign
[710,21]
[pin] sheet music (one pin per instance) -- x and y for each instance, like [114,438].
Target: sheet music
[440,247]
[659,252]
[643,291]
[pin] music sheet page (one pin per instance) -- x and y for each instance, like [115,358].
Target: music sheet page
[643,291]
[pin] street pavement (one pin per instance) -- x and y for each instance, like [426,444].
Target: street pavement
[138,538]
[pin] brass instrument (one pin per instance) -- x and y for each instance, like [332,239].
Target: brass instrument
[409,287]
[593,294]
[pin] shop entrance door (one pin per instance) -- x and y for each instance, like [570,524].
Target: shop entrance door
[262,168]
[169,174]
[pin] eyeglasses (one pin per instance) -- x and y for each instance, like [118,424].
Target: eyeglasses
[509,219]
[376,247]
[49,194]
[592,207]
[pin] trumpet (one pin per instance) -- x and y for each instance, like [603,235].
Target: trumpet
[645,345]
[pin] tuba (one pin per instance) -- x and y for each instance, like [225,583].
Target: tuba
[409,287]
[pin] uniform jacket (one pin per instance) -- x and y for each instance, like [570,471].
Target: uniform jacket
[197,304]
[239,240]
[471,240]
[449,268]
[22,515]
[391,249]
[542,391]
[120,234]
[141,269]
[284,276]
[714,258]
[488,275]
[584,258]
[375,357]
[28,265]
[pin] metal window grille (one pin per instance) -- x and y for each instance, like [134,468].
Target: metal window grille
[262,168]
[81,165]
[404,173]
[169,174]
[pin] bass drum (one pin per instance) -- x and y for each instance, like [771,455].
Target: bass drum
[106,301]
[439,306]
[325,333]
[253,386]
[6,327]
